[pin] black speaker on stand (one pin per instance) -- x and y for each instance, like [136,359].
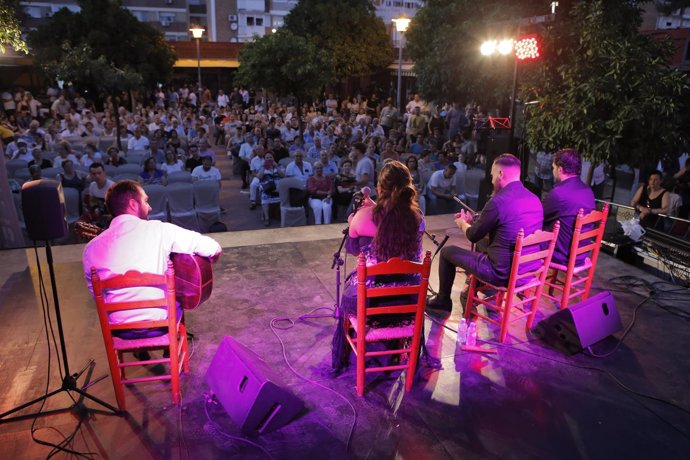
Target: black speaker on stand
[43,204]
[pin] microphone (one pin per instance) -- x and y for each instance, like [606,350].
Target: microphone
[443,242]
[364,193]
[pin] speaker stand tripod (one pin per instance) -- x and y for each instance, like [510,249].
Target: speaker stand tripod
[69,381]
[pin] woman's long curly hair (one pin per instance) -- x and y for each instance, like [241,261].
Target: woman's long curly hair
[396,214]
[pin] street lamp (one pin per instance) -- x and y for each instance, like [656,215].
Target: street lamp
[401,25]
[197,33]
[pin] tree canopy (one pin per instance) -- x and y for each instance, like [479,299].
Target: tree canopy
[601,86]
[348,30]
[10,27]
[606,89]
[285,64]
[82,46]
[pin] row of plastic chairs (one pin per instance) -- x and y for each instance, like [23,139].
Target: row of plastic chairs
[193,206]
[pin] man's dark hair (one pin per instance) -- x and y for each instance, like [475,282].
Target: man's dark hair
[96,164]
[569,160]
[507,159]
[360,146]
[118,196]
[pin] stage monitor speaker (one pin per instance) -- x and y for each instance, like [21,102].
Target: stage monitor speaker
[43,205]
[249,390]
[582,324]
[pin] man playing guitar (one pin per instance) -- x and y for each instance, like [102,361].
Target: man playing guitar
[133,243]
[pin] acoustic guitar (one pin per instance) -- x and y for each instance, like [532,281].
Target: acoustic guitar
[193,273]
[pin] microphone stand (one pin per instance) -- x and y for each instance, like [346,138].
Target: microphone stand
[439,246]
[337,263]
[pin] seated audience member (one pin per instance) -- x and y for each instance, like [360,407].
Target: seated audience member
[138,141]
[151,174]
[64,151]
[268,177]
[257,164]
[134,243]
[205,150]
[568,195]
[345,185]
[651,200]
[330,168]
[194,159]
[93,199]
[206,171]
[70,177]
[113,157]
[38,159]
[299,168]
[441,187]
[35,172]
[320,189]
[172,163]
[500,221]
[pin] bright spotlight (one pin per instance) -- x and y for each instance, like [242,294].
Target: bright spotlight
[488,47]
[505,46]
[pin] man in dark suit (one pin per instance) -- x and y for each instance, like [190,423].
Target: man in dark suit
[511,208]
[567,197]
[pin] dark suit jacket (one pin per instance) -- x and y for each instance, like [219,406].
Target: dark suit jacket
[510,209]
[563,203]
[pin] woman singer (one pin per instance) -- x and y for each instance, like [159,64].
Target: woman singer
[390,227]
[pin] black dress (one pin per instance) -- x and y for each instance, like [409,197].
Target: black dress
[650,219]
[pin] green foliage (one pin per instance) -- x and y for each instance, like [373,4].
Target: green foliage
[605,89]
[104,47]
[348,30]
[10,28]
[444,39]
[285,64]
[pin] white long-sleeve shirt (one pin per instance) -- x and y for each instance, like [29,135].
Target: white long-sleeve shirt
[131,243]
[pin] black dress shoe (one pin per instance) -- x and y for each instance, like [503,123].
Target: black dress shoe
[142,355]
[438,303]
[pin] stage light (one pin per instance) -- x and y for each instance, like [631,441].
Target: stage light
[527,48]
[488,47]
[505,46]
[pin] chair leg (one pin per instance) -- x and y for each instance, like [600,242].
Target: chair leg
[470,297]
[361,350]
[117,375]
[185,348]
[505,314]
[567,284]
[174,368]
[414,357]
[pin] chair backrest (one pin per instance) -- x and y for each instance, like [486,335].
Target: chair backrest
[284,185]
[129,168]
[158,200]
[206,196]
[180,197]
[14,165]
[136,157]
[180,176]
[674,204]
[134,279]
[50,173]
[105,142]
[123,176]
[394,266]
[587,235]
[72,198]
[532,256]
[285,161]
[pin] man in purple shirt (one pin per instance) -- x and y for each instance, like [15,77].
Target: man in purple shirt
[567,197]
[511,208]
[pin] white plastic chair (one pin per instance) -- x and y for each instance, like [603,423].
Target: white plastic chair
[158,200]
[181,203]
[207,203]
[290,215]
[13,166]
[72,198]
[180,176]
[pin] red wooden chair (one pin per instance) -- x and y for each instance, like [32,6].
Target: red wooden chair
[360,329]
[523,290]
[175,340]
[587,236]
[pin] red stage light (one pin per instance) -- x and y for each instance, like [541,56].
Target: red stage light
[527,48]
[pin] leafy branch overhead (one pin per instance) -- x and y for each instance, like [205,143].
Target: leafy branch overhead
[102,47]
[10,27]
[285,64]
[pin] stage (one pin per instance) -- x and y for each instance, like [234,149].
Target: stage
[525,401]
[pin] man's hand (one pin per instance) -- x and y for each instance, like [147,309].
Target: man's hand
[214,258]
[464,220]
